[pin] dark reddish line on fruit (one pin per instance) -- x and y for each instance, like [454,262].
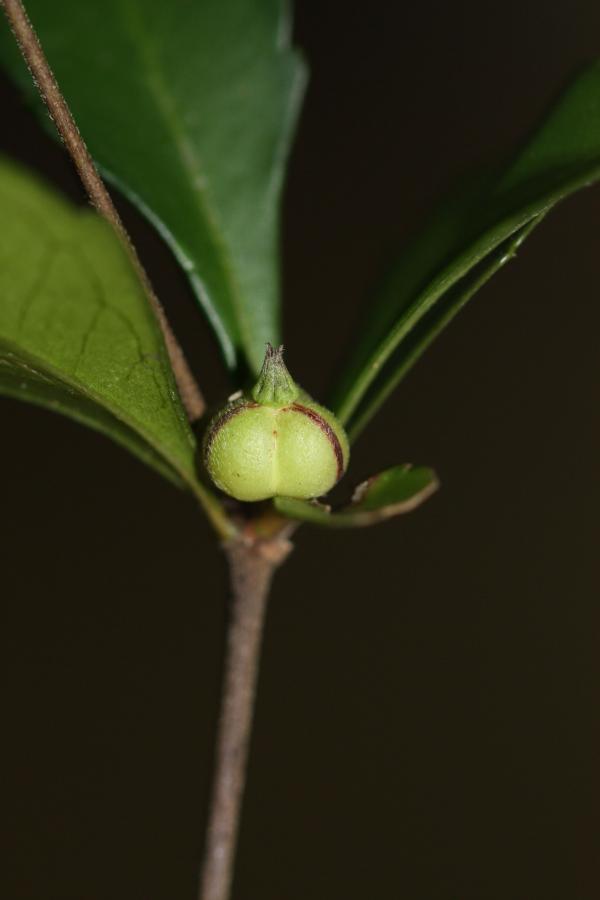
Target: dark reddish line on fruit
[327,429]
[228,414]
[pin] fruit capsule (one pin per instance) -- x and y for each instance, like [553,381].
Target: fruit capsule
[275,440]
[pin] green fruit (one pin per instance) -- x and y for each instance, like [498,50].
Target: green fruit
[275,440]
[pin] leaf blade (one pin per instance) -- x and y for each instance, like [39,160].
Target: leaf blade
[76,333]
[410,350]
[189,109]
[562,157]
[392,492]
[30,383]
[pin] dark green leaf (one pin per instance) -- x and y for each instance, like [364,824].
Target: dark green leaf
[563,156]
[391,493]
[188,106]
[431,325]
[76,332]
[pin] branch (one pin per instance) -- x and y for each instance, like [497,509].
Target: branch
[252,566]
[61,115]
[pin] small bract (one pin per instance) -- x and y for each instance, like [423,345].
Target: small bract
[275,440]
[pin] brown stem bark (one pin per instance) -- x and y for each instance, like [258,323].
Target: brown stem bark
[252,566]
[61,115]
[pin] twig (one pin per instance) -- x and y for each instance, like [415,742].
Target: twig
[252,567]
[61,115]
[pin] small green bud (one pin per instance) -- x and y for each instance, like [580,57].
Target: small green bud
[275,440]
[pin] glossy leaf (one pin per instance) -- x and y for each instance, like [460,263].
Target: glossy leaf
[391,493]
[189,108]
[469,231]
[76,332]
[431,325]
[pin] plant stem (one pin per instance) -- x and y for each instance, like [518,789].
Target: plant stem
[252,566]
[61,115]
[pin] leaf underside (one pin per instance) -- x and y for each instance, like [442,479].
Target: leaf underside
[468,239]
[189,108]
[76,332]
[391,493]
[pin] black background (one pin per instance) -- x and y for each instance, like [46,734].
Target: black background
[427,723]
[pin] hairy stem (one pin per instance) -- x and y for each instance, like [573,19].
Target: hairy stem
[252,566]
[61,115]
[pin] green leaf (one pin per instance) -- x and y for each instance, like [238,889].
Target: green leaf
[188,106]
[76,333]
[391,493]
[474,229]
[431,325]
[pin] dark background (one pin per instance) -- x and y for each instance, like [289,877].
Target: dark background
[427,722]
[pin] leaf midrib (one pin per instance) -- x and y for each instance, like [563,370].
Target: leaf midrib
[445,279]
[188,156]
[361,416]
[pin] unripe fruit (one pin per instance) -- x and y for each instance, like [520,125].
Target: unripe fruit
[275,440]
